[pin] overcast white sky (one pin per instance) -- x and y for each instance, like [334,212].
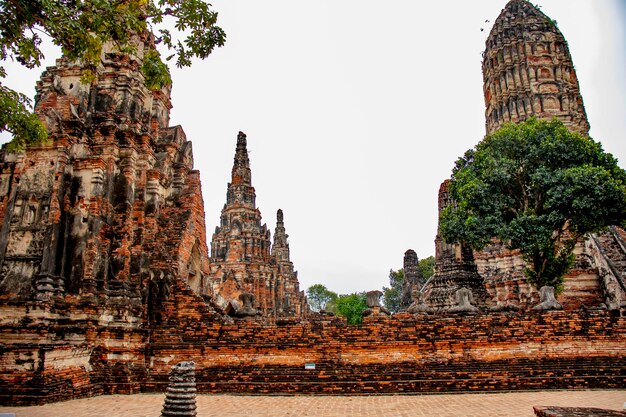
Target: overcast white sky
[355,112]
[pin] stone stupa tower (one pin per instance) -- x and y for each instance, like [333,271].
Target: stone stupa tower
[454,267]
[412,277]
[242,259]
[288,295]
[528,71]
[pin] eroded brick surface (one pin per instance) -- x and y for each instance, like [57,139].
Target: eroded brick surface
[528,71]
[106,282]
[96,226]
[402,353]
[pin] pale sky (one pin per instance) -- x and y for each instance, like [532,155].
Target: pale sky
[355,112]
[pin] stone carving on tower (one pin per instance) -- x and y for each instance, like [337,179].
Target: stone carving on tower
[528,71]
[242,259]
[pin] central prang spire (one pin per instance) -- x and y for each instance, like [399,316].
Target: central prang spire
[242,259]
[240,189]
[241,173]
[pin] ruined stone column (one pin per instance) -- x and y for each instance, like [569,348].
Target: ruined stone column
[180,397]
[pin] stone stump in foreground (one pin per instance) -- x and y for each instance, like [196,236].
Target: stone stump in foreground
[180,397]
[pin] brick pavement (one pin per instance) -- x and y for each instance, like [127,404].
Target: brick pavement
[470,405]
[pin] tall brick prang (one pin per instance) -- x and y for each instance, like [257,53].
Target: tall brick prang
[290,300]
[106,282]
[242,257]
[528,71]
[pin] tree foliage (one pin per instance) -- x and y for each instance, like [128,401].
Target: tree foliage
[351,306]
[82,27]
[427,267]
[392,296]
[538,188]
[319,296]
[16,118]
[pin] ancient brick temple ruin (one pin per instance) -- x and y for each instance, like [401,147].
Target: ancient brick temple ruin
[80,217]
[528,71]
[241,259]
[106,281]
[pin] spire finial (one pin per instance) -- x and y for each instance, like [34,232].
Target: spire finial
[241,139]
[279,216]
[241,167]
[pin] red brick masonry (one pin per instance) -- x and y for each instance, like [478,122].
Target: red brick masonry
[81,354]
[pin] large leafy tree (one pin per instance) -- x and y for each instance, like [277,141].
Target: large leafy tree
[427,267]
[185,28]
[319,296]
[351,306]
[538,188]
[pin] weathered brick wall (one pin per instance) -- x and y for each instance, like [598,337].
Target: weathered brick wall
[405,353]
[69,348]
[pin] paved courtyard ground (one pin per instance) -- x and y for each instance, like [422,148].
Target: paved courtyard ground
[471,405]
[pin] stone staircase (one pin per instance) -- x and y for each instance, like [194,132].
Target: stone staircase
[609,252]
[614,249]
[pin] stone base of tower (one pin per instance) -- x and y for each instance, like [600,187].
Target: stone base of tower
[589,284]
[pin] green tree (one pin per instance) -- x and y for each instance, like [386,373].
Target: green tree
[538,188]
[319,296]
[392,296]
[427,266]
[351,306]
[82,27]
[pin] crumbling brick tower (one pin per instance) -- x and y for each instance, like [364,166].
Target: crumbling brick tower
[413,278]
[242,260]
[454,267]
[528,71]
[81,215]
[96,226]
[290,300]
